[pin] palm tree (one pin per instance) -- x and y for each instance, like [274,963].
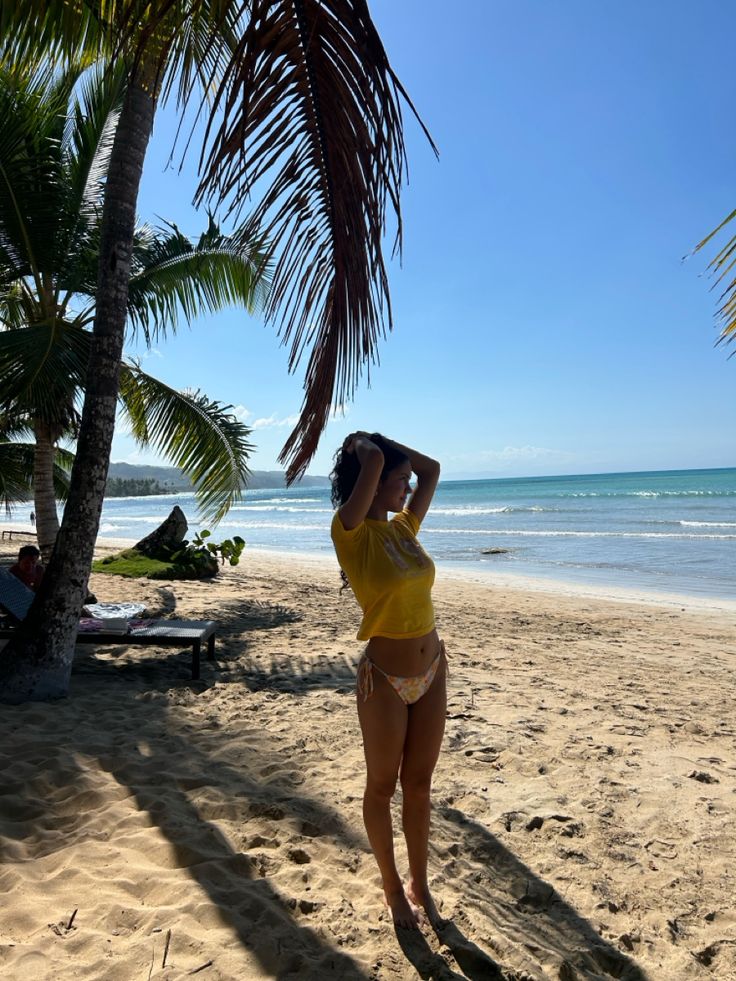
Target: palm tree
[296,91]
[53,157]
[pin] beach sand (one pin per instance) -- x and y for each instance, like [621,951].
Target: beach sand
[584,802]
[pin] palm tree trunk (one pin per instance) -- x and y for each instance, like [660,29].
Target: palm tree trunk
[44,499]
[37,663]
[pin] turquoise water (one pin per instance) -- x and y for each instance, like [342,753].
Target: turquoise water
[669,531]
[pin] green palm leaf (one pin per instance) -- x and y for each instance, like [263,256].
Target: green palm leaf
[43,369]
[88,138]
[63,462]
[14,307]
[172,276]
[33,189]
[43,355]
[201,437]
[36,30]
[15,426]
[16,470]
[721,268]
[16,473]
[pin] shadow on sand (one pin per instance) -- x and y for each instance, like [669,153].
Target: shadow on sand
[162,763]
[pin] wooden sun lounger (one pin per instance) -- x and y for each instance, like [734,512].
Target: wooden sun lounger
[158,633]
[142,633]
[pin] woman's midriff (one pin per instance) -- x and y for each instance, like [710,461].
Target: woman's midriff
[406,657]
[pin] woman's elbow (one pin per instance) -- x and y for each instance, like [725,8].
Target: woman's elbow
[431,470]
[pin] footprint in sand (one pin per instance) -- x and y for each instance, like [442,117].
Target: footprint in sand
[261,841]
[484,754]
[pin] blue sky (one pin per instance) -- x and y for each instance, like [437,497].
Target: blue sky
[544,321]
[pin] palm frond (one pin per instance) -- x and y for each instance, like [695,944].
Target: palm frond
[15,427]
[721,269]
[42,370]
[90,131]
[309,94]
[13,307]
[63,462]
[171,274]
[16,474]
[34,189]
[46,30]
[201,437]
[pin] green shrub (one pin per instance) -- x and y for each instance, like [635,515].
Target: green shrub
[198,559]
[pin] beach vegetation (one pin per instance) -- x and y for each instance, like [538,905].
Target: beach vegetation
[311,123]
[199,558]
[134,487]
[132,564]
[54,155]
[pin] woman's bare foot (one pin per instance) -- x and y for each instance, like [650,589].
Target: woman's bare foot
[404,914]
[422,897]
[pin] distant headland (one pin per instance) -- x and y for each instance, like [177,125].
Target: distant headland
[132,480]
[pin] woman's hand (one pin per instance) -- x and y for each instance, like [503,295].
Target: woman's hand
[348,445]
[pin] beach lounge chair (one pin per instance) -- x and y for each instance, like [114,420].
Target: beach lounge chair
[16,599]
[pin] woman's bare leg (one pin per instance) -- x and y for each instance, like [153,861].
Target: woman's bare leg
[383,721]
[426,726]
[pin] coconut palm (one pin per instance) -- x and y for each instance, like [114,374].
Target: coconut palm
[299,100]
[54,152]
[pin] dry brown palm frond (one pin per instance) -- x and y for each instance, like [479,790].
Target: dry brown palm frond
[310,98]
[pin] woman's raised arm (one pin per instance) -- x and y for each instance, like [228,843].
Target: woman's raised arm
[370,457]
[428,475]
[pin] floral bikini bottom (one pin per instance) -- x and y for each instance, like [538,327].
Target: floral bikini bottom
[409,690]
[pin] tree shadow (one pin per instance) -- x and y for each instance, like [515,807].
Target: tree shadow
[291,673]
[235,881]
[245,615]
[161,768]
[166,602]
[297,674]
[533,911]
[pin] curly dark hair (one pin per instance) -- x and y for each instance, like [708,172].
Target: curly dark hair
[347,467]
[345,472]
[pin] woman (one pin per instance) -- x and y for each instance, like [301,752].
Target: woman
[401,676]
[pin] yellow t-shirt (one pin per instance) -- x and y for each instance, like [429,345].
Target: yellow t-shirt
[390,574]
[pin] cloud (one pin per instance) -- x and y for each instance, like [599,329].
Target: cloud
[152,352]
[240,412]
[275,421]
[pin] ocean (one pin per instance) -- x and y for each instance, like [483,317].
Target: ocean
[672,532]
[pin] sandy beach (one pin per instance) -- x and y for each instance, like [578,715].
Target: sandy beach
[155,827]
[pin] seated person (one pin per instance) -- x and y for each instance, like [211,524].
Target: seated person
[28,569]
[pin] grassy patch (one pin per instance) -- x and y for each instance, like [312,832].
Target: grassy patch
[135,565]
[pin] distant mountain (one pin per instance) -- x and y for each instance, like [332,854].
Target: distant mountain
[173,477]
